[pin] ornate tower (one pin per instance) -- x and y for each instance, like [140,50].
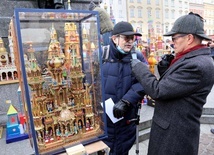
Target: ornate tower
[35,81]
[3,54]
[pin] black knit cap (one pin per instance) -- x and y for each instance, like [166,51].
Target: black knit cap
[124,28]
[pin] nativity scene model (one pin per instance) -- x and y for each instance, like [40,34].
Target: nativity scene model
[62,88]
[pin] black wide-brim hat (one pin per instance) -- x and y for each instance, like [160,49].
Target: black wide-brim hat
[189,24]
[124,28]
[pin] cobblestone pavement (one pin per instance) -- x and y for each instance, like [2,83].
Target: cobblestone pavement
[206,145]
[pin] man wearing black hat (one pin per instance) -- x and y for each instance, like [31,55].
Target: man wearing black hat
[181,91]
[122,87]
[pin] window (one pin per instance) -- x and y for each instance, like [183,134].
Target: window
[167,14]
[133,23]
[180,4]
[186,5]
[157,12]
[148,1]
[166,28]
[139,13]
[119,1]
[180,13]
[173,14]
[149,13]
[157,2]
[139,27]
[131,12]
[166,3]
[172,3]
[120,14]
[158,28]
[131,1]
[139,1]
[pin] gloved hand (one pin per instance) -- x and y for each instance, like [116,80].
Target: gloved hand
[164,63]
[166,59]
[120,108]
[134,62]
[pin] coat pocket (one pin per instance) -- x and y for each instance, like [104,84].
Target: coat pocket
[161,122]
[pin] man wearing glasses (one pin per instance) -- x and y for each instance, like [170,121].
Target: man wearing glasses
[181,91]
[122,87]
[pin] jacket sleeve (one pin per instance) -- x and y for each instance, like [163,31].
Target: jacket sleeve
[136,92]
[186,78]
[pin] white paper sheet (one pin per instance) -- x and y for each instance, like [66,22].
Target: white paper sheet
[109,104]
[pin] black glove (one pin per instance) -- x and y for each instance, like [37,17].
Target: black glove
[163,65]
[134,62]
[120,108]
[167,59]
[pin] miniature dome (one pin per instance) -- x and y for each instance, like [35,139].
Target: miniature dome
[66,114]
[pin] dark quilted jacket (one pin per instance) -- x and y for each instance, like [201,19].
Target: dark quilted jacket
[119,83]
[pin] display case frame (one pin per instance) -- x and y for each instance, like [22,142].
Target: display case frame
[69,89]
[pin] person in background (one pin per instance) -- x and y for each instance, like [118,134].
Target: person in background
[181,91]
[212,131]
[106,25]
[123,88]
[211,45]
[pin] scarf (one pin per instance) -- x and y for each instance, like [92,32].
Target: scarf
[179,55]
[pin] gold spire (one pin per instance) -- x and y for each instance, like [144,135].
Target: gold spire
[2,48]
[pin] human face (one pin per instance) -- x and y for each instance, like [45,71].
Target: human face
[125,42]
[179,42]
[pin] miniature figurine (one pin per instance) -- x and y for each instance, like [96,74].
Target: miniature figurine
[58,133]
[72,102]
[66,132]
[51,135]
[76,129]
[47,137]
[80,125]
[39,137]
[88,125]
[49,107]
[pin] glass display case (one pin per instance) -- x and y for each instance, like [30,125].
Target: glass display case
[57,56]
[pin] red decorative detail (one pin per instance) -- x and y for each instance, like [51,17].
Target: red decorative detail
[13,120]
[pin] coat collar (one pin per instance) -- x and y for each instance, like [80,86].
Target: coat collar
[201,51]
[116,55]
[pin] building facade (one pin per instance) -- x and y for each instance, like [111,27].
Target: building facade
[209,16]
[156,17]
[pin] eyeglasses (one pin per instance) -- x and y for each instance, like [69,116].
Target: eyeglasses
[127,38]
[179,36]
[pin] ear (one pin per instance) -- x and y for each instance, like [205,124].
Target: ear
[190,39]
[115,39]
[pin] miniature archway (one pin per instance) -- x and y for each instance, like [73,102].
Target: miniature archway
[10,76]
[4,76]
[15,75]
